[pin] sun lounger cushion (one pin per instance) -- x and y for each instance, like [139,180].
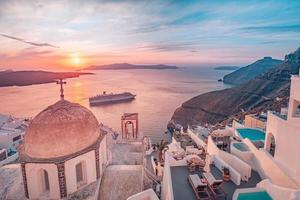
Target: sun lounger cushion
[211,179]
[195,179]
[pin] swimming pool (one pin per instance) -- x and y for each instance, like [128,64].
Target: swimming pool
[251,134]
[241,146]
[10,153]
[262,195]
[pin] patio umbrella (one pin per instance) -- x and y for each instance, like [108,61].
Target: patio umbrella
[221,133]
[207,163]
[195,159]
[191,156]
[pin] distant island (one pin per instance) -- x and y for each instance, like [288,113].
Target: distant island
[227,68]
[23,78]
[126,66]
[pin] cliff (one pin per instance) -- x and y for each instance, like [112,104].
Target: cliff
[251,71]
[258,94]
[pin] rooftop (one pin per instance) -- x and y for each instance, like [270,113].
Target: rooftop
[59,130]
[183,190]
[6,132]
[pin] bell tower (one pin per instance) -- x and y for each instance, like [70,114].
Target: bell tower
[130,125]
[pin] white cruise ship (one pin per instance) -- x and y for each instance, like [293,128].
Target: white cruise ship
[111,98]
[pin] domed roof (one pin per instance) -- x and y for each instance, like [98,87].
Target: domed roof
[61,129]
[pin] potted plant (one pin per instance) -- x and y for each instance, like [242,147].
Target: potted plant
[226,173]
[161,147]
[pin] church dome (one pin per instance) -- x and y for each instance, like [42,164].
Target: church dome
[61,129]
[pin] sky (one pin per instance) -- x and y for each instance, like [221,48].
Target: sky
[74,34]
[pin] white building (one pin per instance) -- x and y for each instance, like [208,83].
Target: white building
[11,131]
[63,151]
[11,136]
[283,134]
[272,171]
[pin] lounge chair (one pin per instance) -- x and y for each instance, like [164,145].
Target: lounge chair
[199,187]
[215,185]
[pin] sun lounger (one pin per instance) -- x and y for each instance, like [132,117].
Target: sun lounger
[199,187]
[215,185]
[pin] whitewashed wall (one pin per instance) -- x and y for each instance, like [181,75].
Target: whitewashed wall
[268,167]
[34,182]
[235,177]
[167,188]
[144,195]
[70,170]
[240,166]
[277,192]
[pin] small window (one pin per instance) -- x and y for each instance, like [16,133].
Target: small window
[46,177]
[17,138]
[45,182]
[80,174]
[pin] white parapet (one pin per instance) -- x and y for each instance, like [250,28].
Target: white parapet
[268,167]
[147,194]
[277,192]
[9,159]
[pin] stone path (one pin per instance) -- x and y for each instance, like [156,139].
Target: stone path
[120,182]
[123,178]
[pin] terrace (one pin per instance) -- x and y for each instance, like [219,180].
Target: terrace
[217,146]
[183,190]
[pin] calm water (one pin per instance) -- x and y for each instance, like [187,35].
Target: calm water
[159,93]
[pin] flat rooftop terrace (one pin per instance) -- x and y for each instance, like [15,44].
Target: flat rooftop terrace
[183,190]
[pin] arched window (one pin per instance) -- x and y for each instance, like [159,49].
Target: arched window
[44,181]
[129,126]
[271,144]
[80,174]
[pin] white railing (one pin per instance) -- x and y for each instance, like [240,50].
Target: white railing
[237,164]
[167,188]
[267,166]
[220,164]
[9,159]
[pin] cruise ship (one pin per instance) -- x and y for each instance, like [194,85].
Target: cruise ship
[111,98]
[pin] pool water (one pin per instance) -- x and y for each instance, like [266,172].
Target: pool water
[263,195]
[10,153]
[241,146]
[251,134]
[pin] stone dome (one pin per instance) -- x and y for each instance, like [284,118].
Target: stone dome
[61,129]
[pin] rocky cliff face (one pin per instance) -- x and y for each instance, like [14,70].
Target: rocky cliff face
[251,71]
[258,94]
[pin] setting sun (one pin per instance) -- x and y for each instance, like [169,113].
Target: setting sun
[76,60]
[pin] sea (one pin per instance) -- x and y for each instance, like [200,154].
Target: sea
[158,94]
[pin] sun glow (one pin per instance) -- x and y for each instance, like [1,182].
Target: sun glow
[76,60]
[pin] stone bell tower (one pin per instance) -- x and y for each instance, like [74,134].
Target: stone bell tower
[130,125]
